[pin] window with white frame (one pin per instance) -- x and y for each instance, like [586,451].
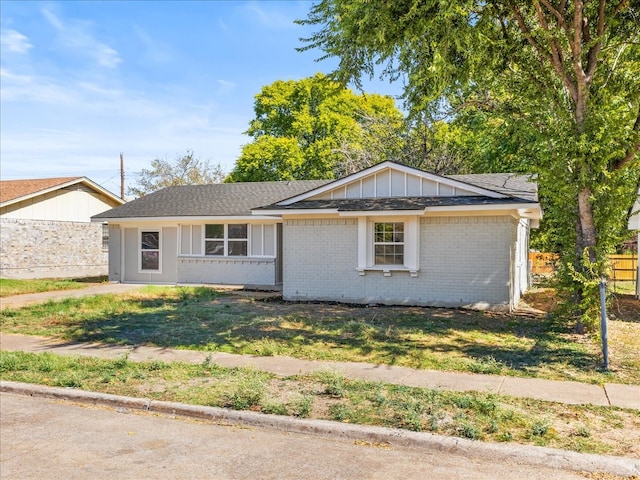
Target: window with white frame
[150,250]
[105,237]
[226,239]
[388,243]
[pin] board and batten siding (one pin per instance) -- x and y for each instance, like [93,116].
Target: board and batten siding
[463,262]
[392,183]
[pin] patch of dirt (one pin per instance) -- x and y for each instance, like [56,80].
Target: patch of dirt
[625,308]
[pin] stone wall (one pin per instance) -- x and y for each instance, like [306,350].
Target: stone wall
[51,249]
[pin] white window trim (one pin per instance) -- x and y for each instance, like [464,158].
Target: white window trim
[366,258]
[226,240]
[140,269]
[260,229]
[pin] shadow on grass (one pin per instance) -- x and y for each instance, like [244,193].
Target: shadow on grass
[199,318]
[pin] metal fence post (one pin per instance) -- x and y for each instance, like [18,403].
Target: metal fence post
[603,324]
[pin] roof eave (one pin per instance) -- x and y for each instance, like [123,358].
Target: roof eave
[53,188]
[184,218]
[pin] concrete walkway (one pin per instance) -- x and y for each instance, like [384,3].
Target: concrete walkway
[625,396]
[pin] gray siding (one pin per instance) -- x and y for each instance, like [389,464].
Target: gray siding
[115,253]
[464,261]
[169,250]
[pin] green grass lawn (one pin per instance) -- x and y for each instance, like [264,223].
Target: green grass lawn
[9,287]
[426,338]
[329,395]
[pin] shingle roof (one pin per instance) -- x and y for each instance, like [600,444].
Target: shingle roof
[511,184]
[224,199]
[14,189]
[393,203]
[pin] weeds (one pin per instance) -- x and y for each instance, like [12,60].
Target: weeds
[330,395]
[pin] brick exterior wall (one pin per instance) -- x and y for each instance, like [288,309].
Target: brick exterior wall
[227,271]
[464,262]
[51,249]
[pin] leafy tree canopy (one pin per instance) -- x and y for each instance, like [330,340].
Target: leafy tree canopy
[184,170]
[552,86]
[300,125]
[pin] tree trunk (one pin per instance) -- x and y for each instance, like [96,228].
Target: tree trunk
[588,238]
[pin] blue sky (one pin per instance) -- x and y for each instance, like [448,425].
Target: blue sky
[83,81]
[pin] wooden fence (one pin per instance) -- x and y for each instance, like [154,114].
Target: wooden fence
[623,267]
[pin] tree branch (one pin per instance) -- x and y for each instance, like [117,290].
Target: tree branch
[634,149]
[555,61]
[559,16]
[594,50]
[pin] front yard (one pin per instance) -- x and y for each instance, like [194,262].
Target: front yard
[426,338]
[430,338]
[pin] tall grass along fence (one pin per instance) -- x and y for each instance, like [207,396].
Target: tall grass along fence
[623,267]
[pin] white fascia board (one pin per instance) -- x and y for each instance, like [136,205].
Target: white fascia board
[104,191]
[300,211]
[219,218]
[526,210]
[382,213]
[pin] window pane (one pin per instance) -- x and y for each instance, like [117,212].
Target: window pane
[214,247]
[238,248]
[238,230]
[150,260]
[214,231]
[389,254]
[150,240]
[105,237]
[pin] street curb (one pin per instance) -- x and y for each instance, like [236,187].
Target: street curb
[520,454]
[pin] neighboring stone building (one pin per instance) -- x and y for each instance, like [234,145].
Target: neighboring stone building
[46,229]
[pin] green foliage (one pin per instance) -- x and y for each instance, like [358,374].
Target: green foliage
[531,91]
[184,170]
[301,127]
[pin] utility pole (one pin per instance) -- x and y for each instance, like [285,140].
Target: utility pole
[121,176]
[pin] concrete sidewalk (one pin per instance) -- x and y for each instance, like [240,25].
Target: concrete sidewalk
[625,396]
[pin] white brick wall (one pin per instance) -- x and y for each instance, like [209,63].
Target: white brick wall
[227,271]
[464,261]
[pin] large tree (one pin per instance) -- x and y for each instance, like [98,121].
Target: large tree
[300,127]
[186,169]
[562,76]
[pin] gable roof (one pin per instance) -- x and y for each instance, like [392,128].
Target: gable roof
[451,182]
[500,190]
[14,191]
[221,199]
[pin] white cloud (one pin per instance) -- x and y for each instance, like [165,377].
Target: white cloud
[154,50]
[13,41]
[75,35]
[268,18]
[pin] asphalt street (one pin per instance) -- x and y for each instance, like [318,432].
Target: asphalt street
[47,439]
